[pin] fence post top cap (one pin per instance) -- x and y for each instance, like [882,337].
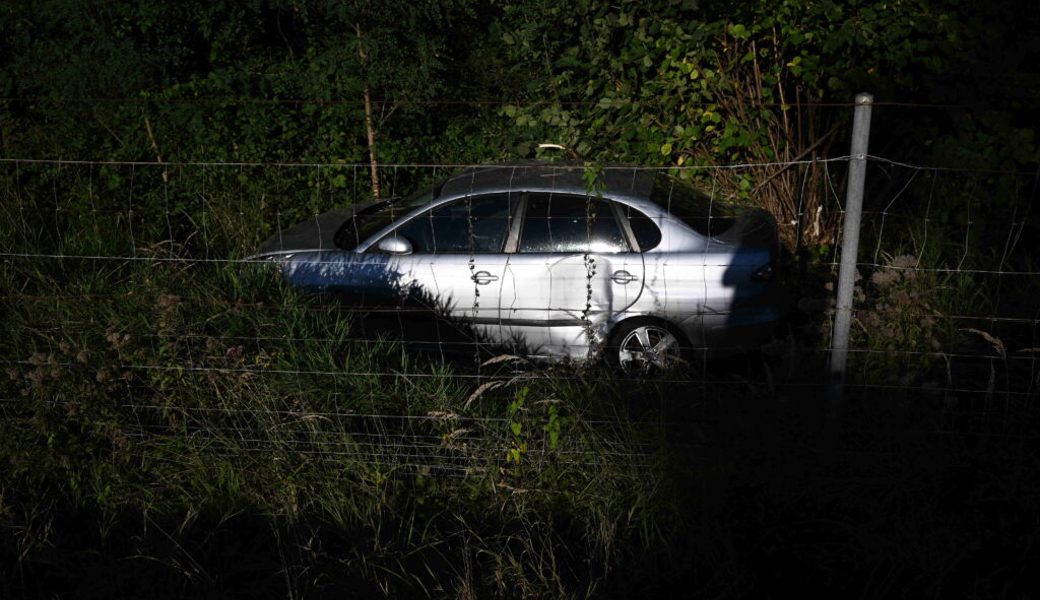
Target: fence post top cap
[864,98]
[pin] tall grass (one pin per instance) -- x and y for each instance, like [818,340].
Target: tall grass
[208,391]
[172,426]
[185,390]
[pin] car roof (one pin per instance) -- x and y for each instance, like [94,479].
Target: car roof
[616,180]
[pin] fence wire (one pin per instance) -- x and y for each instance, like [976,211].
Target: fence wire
[137,292]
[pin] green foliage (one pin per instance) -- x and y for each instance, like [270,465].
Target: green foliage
[695,86]
[214,390]
[676,83]
[519,444]
[658,83]
[180,390]
[162,387]
[263,81]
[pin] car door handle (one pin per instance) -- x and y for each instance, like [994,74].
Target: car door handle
[483,278]
[623,277]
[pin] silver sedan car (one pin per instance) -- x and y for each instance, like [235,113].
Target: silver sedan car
[543,259]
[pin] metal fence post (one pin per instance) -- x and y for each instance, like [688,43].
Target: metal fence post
[849,246]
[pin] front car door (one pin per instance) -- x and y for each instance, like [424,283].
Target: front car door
[455,270]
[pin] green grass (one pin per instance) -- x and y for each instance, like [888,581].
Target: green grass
[173,428]
[210,391]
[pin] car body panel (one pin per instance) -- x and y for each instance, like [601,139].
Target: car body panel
[575,300]
[555,304]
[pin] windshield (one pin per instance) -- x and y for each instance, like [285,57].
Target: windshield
[691,206]
[368,220]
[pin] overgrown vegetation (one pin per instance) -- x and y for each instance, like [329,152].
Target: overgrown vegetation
[208,392]
[174,422]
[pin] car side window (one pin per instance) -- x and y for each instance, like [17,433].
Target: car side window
[476,224]
[566,223]
[645,230]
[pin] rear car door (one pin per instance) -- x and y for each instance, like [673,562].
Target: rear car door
[571,276]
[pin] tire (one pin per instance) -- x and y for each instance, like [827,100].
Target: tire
[645,347]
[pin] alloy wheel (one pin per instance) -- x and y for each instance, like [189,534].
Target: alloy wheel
[648,349]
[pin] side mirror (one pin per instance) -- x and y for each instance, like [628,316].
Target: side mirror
[395,245]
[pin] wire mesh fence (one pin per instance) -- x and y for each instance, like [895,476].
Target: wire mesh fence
[144,295]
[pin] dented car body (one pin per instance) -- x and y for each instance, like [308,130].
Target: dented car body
[546,260]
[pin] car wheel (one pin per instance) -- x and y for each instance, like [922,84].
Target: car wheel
[642,347]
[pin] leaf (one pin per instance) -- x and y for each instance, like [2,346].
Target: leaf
[666,148]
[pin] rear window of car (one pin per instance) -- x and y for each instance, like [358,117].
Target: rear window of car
[646,232]
[705,215]
[563,223]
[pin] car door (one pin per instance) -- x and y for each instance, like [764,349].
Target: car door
[572,275]
[455,270]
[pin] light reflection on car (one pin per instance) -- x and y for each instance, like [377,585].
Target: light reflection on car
[644,270]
